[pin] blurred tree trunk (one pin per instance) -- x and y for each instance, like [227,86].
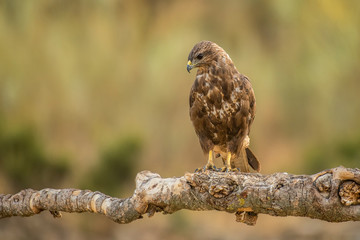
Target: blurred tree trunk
[331,195]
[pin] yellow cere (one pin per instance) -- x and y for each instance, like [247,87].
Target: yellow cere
[189,62]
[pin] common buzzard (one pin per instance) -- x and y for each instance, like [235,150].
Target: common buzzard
[222,108]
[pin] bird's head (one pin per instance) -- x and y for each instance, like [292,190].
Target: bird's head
[203,54]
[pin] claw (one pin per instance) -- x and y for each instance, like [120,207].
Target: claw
[226,169]
[207,167]
[210,167]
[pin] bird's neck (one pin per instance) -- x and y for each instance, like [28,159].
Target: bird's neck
[222,65]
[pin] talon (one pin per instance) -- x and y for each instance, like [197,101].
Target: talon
[210,164]
[226,169]
[210,167]
[200,170]
[206,168]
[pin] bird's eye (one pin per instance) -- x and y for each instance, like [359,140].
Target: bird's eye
[199,56]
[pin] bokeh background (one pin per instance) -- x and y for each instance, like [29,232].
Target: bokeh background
[91,92]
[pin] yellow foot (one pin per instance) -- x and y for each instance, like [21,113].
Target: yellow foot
[207,167]
[210,164]
[227,169]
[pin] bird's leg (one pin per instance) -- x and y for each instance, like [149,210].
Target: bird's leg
[210,164]
[227,167]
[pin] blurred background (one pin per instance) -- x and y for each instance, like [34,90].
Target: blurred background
[92,92]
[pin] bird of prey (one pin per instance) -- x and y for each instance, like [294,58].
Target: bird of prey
[222,108]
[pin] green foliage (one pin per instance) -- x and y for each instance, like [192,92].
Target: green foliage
[344,152]
[24,162]
[116,167]
[70,66]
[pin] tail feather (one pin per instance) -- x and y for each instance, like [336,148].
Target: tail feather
[252,160]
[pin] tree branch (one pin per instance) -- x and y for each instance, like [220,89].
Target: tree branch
[331,195]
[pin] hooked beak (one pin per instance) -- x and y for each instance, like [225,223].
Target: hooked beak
[189,66]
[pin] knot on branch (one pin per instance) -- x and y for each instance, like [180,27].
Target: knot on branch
[154,194]
[323,184]
[146,184]
[18,199]
[198,181]
[216,184]
[220,191]
[349,193]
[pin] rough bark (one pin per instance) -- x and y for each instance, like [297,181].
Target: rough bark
[331,195]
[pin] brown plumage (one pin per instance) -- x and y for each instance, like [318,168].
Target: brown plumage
[222,108]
